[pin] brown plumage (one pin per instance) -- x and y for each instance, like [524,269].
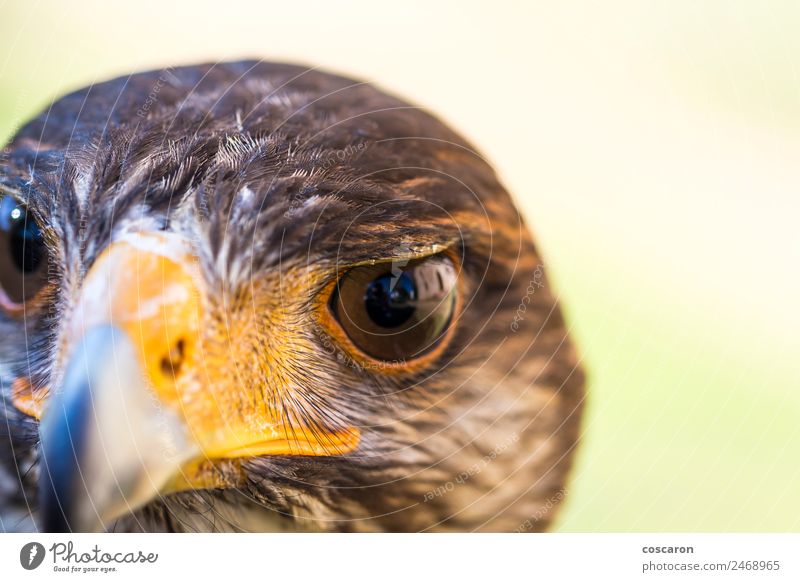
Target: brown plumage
[279,181]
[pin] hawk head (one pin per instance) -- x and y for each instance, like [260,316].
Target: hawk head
[254,296]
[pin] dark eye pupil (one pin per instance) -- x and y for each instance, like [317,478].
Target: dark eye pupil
[25,241]
[23,253]
[389,299]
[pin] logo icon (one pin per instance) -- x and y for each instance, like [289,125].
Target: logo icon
[31,555]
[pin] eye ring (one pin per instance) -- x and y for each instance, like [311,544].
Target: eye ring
[366,356]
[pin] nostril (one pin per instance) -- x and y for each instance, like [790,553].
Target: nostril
[172,361]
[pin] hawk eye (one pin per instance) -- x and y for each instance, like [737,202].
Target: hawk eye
[396,311]
[23,255]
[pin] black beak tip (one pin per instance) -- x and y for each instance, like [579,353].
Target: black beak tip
[60,471]
[63,440]
[71,470]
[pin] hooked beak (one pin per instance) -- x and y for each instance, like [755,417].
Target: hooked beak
[107,445]
[141,411]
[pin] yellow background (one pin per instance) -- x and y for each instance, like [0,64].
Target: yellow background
[654,147]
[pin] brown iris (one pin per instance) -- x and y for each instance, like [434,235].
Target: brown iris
[23,254]
[396,311]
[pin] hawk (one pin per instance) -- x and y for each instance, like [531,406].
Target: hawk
[254,296]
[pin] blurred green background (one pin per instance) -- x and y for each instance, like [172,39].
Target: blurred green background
[654,148]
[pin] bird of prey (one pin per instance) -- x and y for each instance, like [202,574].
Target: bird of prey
[254,296]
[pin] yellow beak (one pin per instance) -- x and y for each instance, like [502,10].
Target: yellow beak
[142,410]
